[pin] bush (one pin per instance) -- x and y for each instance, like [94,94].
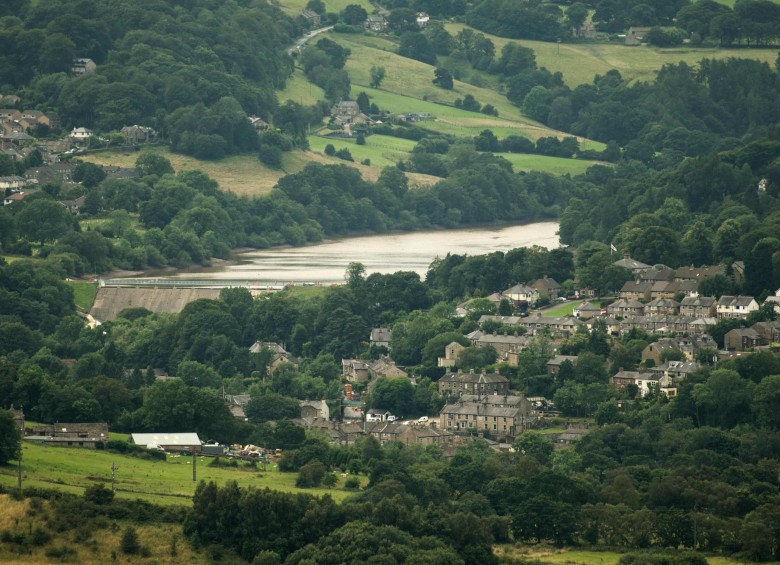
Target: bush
[352,483]
[330,150]
[99,494]
[129,543]
[344,153]
[311,475]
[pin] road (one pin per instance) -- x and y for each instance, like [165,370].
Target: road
[302,41]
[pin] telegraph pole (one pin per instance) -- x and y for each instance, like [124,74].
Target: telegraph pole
[194,466]
[114,469]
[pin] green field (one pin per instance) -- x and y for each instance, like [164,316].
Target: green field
[382,150]
[83,294]
[553,165]
[580,62]
[300,90]
[168,482]
[567,308]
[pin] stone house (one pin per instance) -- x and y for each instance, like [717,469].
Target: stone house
[451,352]
[521,293]
[662,307]
[645,382]
[311,18]
[381,337]
[554,365]
[474,383]
[83,66]
[633,290]
[742,339]
[482,416]
[315,409]
[547,287]
[698,306]
[375,23]
[354,370]
[626,307]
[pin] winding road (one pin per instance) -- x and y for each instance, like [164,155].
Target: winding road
[302,41]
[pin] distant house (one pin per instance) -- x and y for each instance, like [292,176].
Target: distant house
[656,349]
[381,337]
[769,331]
[83,66]
[735,307]
[422,19]
[187,442]
[315,409]
[236,404]
[13,183]
[645,382]
[554,365]
[742,339]
[587,310]
[483,416]
[632,265]
[81,134]
[662,307]
[278,353]
[503,344]
[451,353]
[379,415]
[547,287]
[138,134]
[12,198]
[311,18]
[74,206]
[385,367]
[636,35]
[677,371]
[570,436]
[474,383]
[521,293]
[258,123]
[698,273]
[698,306]
[354,370]
[86,435]
[375,23]
[633,290]
[346,112]
[626,307]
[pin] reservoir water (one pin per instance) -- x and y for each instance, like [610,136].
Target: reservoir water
[326,262]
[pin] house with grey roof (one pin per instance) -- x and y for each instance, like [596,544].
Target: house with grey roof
[626,307]
[743,339]
[484,417]
[735,307]
[457,383]
[631,264]
[698,306]
[663,307]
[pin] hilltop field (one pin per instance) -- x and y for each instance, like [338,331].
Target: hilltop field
[407,87]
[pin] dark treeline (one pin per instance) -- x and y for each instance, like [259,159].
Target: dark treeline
[191,70]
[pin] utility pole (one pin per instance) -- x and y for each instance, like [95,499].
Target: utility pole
[194,466]
[114,469]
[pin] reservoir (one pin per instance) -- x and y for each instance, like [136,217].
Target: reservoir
[325,263]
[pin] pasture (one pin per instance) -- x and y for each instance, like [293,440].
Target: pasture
[580,62]
[161,482]
[83,294]
[295,7]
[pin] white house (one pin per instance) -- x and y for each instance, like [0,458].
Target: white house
[80,134]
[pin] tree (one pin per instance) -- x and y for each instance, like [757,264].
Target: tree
[271,407]
[43,220]
[415,46]
[10,438]
[377,76]
[576,15]
[153,164]
[443,78]
[353,14]
[766,399]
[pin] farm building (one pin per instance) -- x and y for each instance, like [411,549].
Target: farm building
[184,442]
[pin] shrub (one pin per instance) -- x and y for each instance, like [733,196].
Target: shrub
[99,494]
[352,483]
[310,475]
[129,543]
[344,153]
[330,150]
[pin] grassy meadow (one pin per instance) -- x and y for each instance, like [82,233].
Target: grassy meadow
[83,294]
[161,482]
[580,62]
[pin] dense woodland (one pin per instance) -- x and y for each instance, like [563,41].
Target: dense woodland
[693,178]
